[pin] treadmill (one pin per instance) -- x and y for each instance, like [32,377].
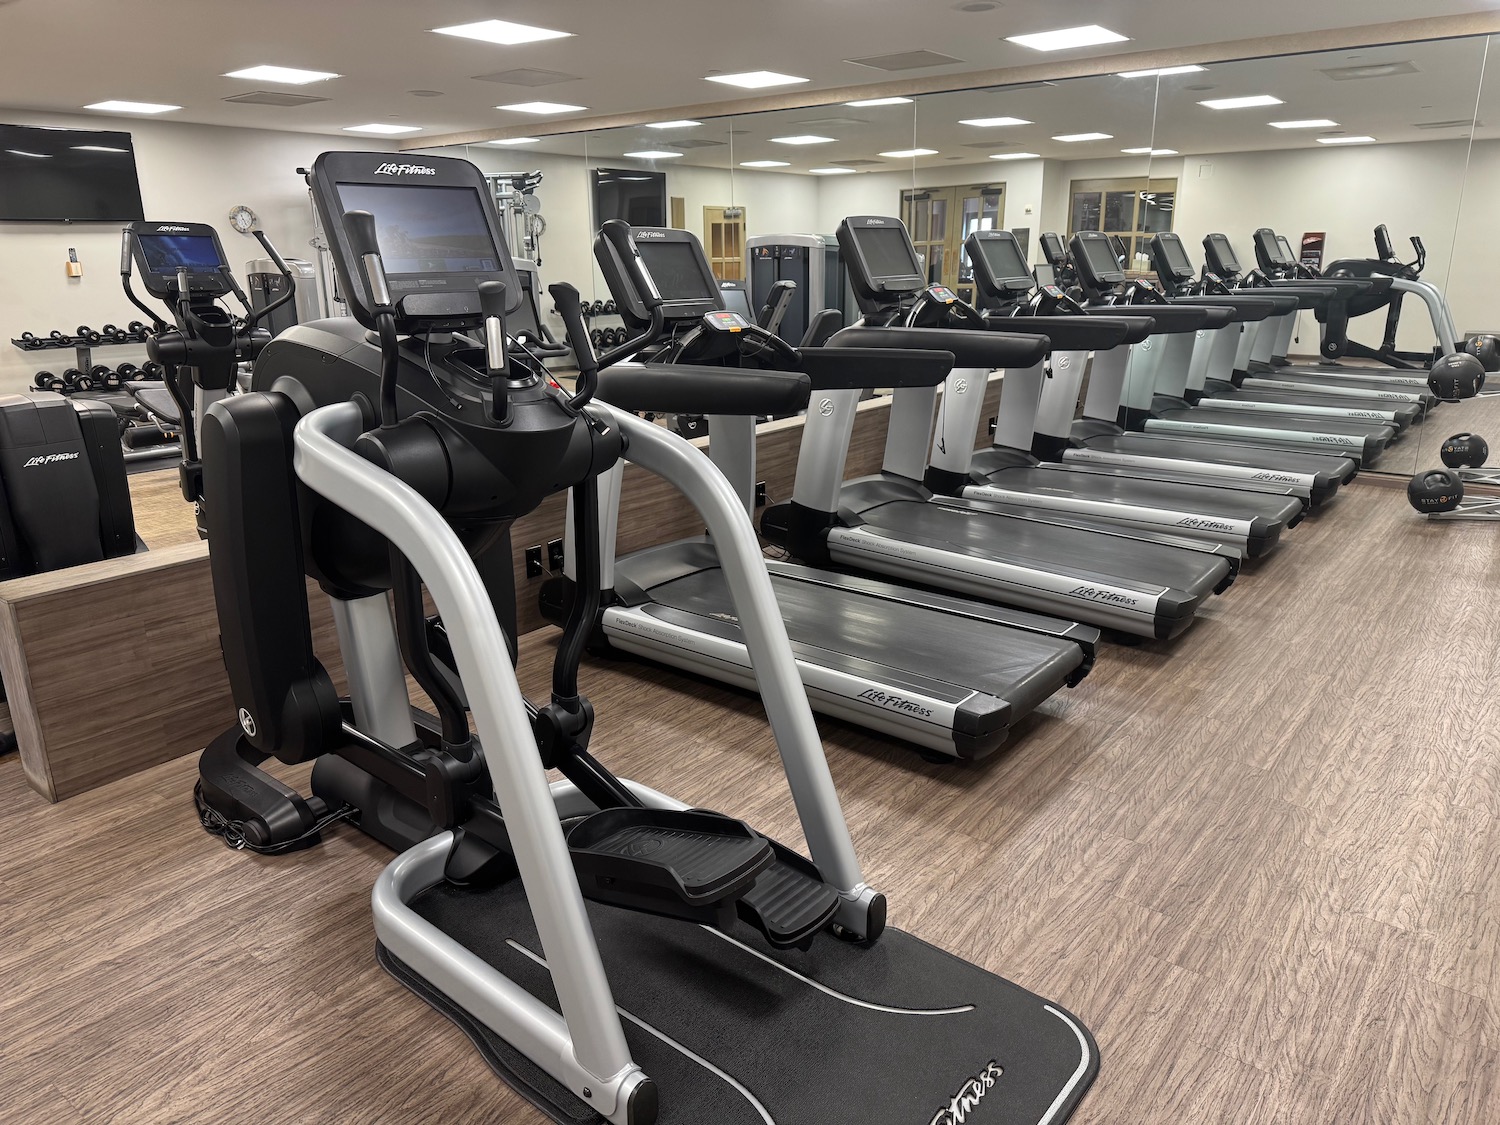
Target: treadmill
[1096,443]
[1362,442]
[892,524]
[1009,472]
[947,674]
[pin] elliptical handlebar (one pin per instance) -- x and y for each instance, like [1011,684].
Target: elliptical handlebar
[569,307]
[359,228]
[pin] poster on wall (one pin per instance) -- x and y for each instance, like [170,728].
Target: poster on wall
[1312,249]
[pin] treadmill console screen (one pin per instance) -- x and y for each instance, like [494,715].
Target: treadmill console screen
[168,253]
[1286,250]
[676,269]
[1176,255]
[1045,275]
[738,301]
[1004,261]
[1053,249]
[888,253]
[942,294]
[725,321]
[1098,259]
[1221,255]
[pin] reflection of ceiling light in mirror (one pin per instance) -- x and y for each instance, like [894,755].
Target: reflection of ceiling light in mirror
[832,171]
[765,164]
[131,107]
[33,155]
[97,148]
[1149,151]
[542,107]
[1345,140]
[517,141]
[1016,156]
[1161,71]
[288,74]
[632,178]
[673,124]
[756,79]
[1310,123]
[503,32]
[990,122]
[1074,138]
[865,103]
[802,139]
[906,153]
[653,154]
[384,130]
[1241,103]
[1064,38]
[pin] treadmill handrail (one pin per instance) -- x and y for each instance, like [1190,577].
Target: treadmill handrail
[970,349]
[686,389]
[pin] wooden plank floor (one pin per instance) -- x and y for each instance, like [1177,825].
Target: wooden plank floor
[1263,864]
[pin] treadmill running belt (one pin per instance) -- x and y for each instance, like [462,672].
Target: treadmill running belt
[766,1044]
[1223,453]
[1299,422]
[1021,668]
[1205,499]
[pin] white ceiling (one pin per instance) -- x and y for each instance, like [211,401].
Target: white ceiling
[60,55]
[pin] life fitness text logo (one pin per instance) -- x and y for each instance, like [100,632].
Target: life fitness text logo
[168,226]
[406,170]
[49,458]
[963,1103]
[640,234]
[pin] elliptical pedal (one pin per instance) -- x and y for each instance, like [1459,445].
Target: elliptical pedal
[790,903]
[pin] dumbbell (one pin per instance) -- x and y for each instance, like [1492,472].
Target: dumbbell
[114,334]
[76,380]
[620,335]
[152,370]
[138,329]
[105,376]
[31,342]
[87,333]
[47,381]
[596,337]
[126,371]
[57,340]
[609,308]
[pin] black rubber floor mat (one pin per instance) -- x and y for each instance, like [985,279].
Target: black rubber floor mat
[732,1031]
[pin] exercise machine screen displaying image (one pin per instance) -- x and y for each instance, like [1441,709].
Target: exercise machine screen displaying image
[1095,258]
[436,228]
[736,299]
[1221,259]
[997,255]
[1173,257]
[888,253]
[677,267]
[1268,246]
[882,262]
[163,250]
[677,270]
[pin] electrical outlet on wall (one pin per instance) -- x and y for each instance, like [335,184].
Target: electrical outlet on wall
[555,555]
[534,561]
[760,494]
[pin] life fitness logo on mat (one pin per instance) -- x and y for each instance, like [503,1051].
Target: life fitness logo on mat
[49,459]
[969,1095]
[406,170]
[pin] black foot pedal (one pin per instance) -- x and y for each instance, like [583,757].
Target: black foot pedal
[790,902]
[687,865]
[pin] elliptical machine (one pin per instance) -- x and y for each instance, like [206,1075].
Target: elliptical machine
[375,463]
[183,265]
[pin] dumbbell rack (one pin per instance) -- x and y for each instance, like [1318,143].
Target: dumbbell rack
[83,351]
[590,317]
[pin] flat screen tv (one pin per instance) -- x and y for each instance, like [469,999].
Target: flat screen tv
[67,175]
[639,198]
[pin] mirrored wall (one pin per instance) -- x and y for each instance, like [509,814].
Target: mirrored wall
[1321,148]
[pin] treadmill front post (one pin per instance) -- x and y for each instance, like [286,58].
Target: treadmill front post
[909,432]
[958,420]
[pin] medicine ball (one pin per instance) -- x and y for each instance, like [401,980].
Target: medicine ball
[1464,451]
[1457,376]
[1436,490]
[1486,349]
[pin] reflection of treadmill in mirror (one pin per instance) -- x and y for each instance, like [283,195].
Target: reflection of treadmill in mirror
[1358,442]
[1009,473]
[893,524]
[1099,444]
[947,674]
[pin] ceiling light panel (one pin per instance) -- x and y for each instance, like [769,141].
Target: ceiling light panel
[1067,38]
[1161,71]
[866,103]
[1250,102]
[517,141]
[384,130]
[289,75]
[1075,138]
[756,79]
[683,124]
[908,153]
[542,107]
[503,32]
[653,154]
[1016,156]
[1309,123]
[1149,151]
[131,107]
[1346,140]
[802,139]
[832,171]
[765,164]
[993,122]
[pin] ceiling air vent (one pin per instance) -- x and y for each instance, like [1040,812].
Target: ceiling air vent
[1456,123]
[1371,70]
[905,60]
[700,143]
[855,163]
[273,97]
[527,76]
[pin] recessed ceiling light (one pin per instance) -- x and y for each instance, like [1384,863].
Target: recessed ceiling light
[865,103]
[1090,35]
[33,155]
[1149,151]
[1016,156]
[1191,68]
[517,141]
[684,124]
[991,122]
[802,139]
[765,164]
[653,154]
[543,107]
[1345,140]
[287,74]
[832,171]
[503,32]
[1074,138]
[756,79]
[1310,123]
[132,107]
[97,148]
[390,130]
[1241,103]
[905,153]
